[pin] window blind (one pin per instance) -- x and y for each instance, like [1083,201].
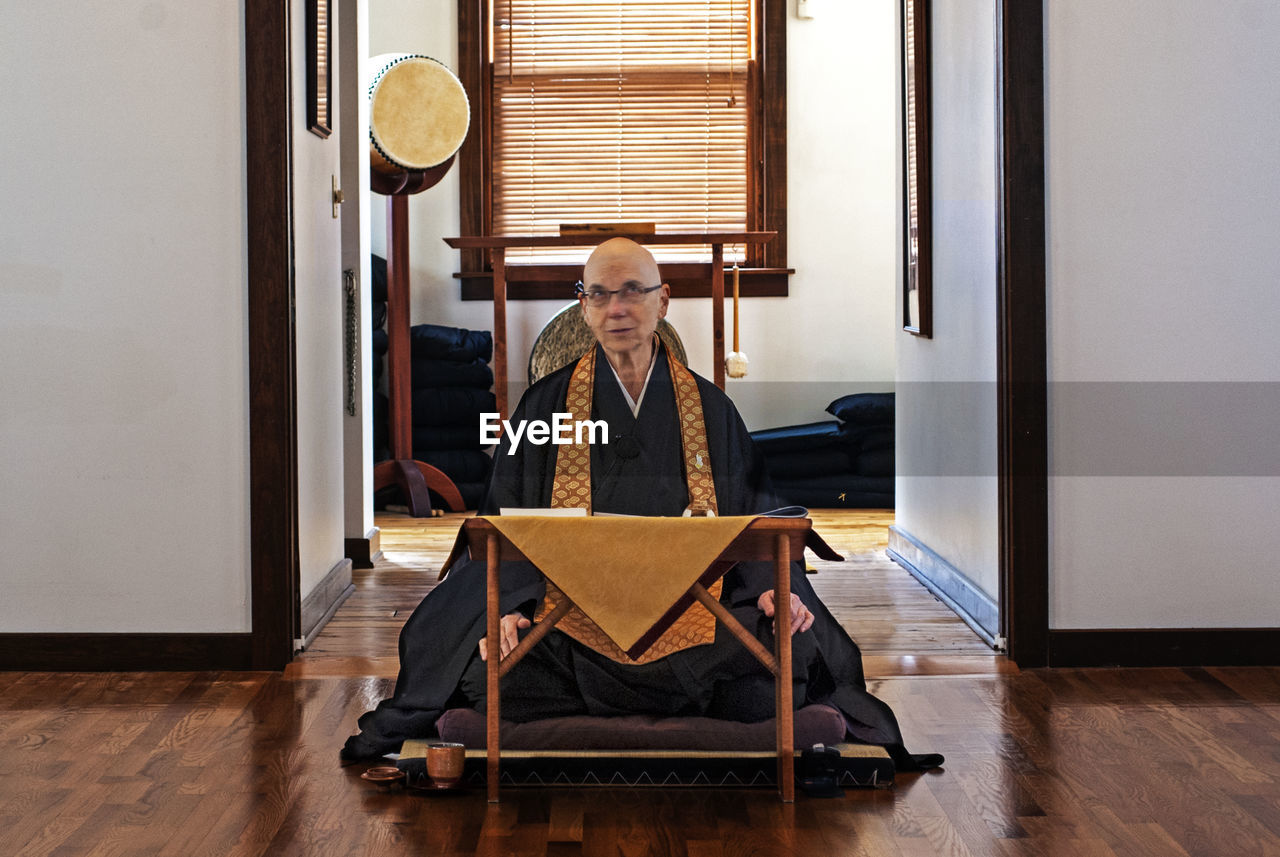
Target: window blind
[612,111]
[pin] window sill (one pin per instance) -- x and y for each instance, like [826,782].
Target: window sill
[555,282]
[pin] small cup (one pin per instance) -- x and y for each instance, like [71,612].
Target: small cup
[444,763]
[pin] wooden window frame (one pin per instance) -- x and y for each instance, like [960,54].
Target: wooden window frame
[764,275]
[917,175]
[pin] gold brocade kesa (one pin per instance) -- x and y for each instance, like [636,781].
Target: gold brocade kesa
[572,489]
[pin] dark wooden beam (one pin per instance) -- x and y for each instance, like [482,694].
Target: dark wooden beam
[771,58]
[273,448]
[126,652]
[473,65]
[1165,647]
[1022,342]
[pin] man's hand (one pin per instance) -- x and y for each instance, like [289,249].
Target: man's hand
[801,616]
[511,623]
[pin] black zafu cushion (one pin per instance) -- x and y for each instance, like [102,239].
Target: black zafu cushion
[839,491]
[801,438]
[437,342]
[452,406]
[863,408]
[814,724]
[378,271]
[450,373]
[875,438]
[876,462]
[801,465]
[447,437]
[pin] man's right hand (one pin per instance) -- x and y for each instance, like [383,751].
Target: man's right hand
[511,624]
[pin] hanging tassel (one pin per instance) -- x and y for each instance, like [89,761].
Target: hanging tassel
[735,364]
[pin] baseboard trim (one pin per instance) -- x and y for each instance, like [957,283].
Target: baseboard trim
[325,599]
[947,583]
[363,552]
[1164,647]
[125,652]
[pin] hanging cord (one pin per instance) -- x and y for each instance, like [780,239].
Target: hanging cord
[733,21]
[351,338]
[736,362]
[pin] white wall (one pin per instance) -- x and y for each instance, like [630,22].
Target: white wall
[318,301]
[1163,171]
[946,491]
[124,423]
[834,334]
[353,46]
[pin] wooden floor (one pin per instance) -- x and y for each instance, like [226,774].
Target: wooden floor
[1159,763]
[903,630]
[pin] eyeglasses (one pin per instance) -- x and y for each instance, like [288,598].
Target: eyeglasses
[598,297]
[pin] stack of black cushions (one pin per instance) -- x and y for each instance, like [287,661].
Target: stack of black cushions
[451,384]
[378,345]
[835,465]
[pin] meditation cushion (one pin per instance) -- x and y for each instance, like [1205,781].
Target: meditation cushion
[844,464]
[814,724]
[452,406]
[439,342]
[426,372]
[800,438]
[863,409]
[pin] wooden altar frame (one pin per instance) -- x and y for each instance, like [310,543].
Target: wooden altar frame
[497,245]
[781,540]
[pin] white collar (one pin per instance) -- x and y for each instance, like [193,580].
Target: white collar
[634,404]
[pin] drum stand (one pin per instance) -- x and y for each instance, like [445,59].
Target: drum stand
[413,477]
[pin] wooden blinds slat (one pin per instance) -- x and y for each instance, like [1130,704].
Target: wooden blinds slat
[613,111]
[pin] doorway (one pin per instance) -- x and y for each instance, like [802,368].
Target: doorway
[1021,394]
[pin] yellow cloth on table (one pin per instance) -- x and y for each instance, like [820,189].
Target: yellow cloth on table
[623,573]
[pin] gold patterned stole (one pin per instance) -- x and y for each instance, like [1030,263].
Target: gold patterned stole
[572,489]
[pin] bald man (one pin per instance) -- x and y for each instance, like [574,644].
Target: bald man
[628,382]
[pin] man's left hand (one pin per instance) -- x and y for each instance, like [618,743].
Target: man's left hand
[801,616]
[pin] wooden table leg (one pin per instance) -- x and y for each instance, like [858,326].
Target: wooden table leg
[782,638]
[494,656]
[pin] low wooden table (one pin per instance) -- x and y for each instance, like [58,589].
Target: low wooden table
[779,539]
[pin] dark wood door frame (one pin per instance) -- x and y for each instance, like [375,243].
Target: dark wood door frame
[1021,361]
[273,444]
[1021,350]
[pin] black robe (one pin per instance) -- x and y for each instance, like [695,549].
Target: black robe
[640,471]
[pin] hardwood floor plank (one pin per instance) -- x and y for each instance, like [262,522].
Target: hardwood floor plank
[1043,763]
[886,610]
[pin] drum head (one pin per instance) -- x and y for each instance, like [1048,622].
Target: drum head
[418,113]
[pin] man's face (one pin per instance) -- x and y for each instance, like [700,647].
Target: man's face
[622,328]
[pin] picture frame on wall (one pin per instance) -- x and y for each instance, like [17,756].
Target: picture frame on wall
[917,232]
[319,67]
